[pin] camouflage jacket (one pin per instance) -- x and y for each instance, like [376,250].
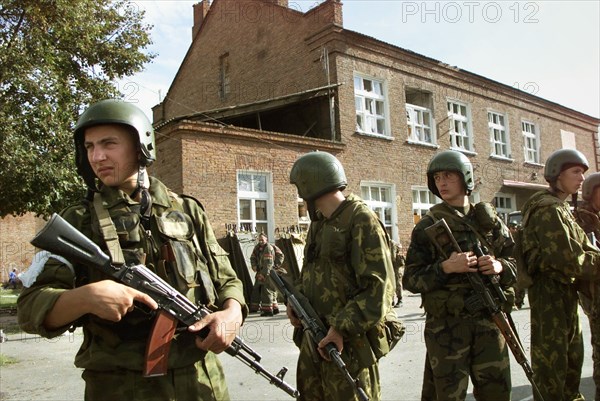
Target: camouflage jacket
[108,345]
[264,258]
[554,244]
[589,220]
[443,293]
[347,273]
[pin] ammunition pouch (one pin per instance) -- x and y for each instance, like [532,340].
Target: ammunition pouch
[185,266]
[385,335]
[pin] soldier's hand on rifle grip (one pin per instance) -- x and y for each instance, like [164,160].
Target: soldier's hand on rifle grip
[333,336]
[223,326]
[292,316]
[464,262]
[489,265]
[111,300]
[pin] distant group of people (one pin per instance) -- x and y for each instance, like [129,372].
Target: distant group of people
[350,275]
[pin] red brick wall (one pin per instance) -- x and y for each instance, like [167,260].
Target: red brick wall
[213,155]
[269,55]
[276,51]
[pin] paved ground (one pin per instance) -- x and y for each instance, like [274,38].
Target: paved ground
[44,369]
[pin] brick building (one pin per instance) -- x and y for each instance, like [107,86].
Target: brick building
[263,83]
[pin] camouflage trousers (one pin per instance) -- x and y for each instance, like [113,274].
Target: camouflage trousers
[460,347]
[320,380]
[591,307]
[263,297]
[204,381]
[556,339]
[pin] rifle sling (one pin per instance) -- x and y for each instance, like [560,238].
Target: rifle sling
[109,232]
[458,218]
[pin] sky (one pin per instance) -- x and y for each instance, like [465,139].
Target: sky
[548,48]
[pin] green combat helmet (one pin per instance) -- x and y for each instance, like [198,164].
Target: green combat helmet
[315,174]
[450,160]
[562,159]
[113,111]
[590,183]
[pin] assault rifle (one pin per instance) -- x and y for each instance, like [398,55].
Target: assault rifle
[441,236]
[314,326]
[61,238]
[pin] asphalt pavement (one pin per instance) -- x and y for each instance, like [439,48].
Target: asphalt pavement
[43,369]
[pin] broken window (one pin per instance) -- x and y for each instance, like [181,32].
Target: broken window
[531,141]
[370,106]
[419,117]
[461,136]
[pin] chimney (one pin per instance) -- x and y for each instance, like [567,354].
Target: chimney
[328,12]
[200,11]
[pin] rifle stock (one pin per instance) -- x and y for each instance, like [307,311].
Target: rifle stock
[61,238]
[311,322]
[440,235]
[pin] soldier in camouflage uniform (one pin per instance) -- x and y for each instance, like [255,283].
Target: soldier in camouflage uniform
[347,276]
[588,217]
[557,253]
[264,258]
[461,341]
[114,143]
[398,262]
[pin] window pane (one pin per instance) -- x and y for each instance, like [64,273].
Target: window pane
[375,194]
[357,83]
[358,103]
[387,216]
[370,106]
[245,182]
[245,205]
[377,87]
[260,183]
[368,85]
[365,193]
[302,211]
[261,228]
[261,209]
[385,195]
[379,108]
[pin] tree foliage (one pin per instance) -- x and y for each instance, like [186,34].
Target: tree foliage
[57,56]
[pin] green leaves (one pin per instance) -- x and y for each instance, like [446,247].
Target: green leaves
[57,56]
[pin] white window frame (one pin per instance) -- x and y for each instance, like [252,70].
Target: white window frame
[531,133]
[380,207]
[253,196]
[421,208]
[496,130]
[303,221]
[417,129]
[500,203]
[372,121]
[461,140]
